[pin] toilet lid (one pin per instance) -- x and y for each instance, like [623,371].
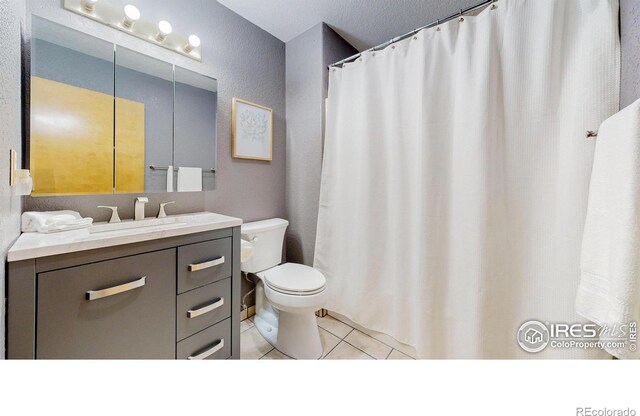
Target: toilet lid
[295,279]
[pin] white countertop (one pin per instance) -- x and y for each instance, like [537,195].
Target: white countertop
[33,245]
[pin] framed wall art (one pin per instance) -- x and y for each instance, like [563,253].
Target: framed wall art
[251,130]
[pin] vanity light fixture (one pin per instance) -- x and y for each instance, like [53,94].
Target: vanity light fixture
[164,29]
[193,43]
[89,5]
[131,16]
[126,17]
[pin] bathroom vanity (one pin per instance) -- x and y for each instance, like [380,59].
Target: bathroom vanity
[168,290]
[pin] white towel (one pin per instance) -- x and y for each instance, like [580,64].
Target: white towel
[53,221]
[169,178]
[609,291]
[189,179]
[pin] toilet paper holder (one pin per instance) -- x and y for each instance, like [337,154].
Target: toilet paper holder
[19,178]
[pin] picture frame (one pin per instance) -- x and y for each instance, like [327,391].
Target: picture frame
[251,130]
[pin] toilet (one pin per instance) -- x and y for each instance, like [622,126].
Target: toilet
[287,295]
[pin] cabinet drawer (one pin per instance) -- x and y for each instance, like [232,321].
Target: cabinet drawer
[203,263]
[121,308]
[200,308]
[212,343]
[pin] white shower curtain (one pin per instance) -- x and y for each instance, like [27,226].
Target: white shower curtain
[455,176]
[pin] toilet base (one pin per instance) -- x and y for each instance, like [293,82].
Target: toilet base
[296,335]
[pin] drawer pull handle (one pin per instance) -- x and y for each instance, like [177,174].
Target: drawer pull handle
[98,294]
[219,345]
[215,305]
[206,265]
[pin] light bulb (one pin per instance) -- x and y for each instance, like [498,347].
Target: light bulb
[164,29]
[193,43]
[131,15]
[89,5]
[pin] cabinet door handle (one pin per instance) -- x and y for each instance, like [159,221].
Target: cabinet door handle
[206,265]
[217,347]
[103,293]
[197,312]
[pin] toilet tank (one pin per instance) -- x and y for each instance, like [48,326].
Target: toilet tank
[266,237]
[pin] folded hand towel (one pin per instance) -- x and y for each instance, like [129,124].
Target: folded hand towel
[609,290]
[169,178]
[189,179]
[53,221]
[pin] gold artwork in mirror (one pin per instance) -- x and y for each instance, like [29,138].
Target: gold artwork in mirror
[71,139]
[129,146]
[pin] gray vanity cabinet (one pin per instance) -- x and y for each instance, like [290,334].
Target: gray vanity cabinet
[128,301]
[117,308]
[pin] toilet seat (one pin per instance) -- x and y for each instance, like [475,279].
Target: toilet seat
[295,279]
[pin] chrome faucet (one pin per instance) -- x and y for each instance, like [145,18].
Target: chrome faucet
[161,211]
[139,207]
[114,213]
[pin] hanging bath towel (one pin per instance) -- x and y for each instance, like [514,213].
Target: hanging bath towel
[609,291]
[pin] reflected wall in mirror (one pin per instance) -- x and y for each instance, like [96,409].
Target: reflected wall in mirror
[196,96]
[71,142]
[101,115]
[144,114]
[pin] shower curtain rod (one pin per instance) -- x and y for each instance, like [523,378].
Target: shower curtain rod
[414,31]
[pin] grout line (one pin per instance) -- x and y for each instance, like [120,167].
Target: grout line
[336,335]
[361,350]
[390,346]
[246,329]
[352,328]
[272,348]
[329,352]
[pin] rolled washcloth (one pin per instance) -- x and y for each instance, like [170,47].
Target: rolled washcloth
[609,291]
[53,221]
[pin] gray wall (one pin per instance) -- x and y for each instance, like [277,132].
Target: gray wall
[11,12]
[248,63]
[630,33]
[307,58]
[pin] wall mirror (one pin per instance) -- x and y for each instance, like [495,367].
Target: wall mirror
[106,119]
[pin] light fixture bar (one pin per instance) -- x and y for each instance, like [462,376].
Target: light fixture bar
[132,21]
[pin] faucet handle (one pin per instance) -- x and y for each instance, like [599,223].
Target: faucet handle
[161,213]
[114,213]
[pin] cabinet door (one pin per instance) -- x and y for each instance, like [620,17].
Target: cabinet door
[121,308]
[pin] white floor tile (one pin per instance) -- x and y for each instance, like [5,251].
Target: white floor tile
[334,326]
[252,345]
[246,324]
[274,354]
[397,355]
[371,346]
[345,351]
[328,340]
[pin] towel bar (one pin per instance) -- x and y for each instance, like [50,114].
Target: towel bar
[154,167]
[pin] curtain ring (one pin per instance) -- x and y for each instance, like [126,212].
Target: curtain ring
[461,19]
[438,25]
[493,5]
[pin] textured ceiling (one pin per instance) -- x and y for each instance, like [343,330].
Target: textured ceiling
[363,23]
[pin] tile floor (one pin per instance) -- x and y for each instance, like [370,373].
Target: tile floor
[339,342]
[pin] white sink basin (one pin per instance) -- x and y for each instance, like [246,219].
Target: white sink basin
[102,227]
